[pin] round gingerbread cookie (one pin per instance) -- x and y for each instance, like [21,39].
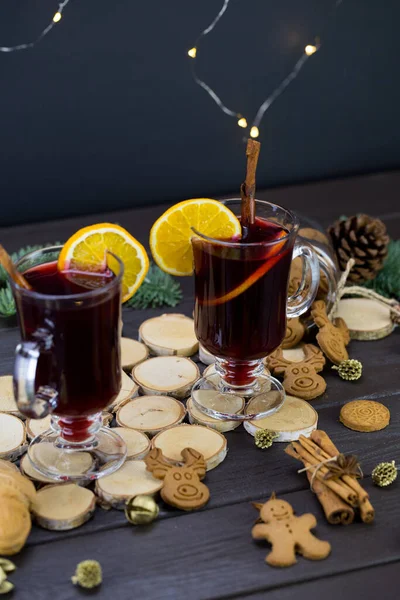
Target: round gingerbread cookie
[365,415]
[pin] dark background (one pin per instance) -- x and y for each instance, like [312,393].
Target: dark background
[103,113]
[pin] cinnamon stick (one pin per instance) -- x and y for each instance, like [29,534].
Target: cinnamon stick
[328,448]
[367,511]
[337,512]
[248,187]
[5,260]
[341,489]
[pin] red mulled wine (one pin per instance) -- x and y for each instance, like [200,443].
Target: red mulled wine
[83,363]
[241,293]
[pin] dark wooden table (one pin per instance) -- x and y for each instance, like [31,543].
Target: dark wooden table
[210,554]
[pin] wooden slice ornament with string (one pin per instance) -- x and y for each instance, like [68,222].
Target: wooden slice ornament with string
[7,401]
[169,335]
[129,389]
[12,437]
[132,353]
[137,443]
[209,442]
[62,507]
[132,479]
[366,319]
[151,414]
[166,375]
[296,417]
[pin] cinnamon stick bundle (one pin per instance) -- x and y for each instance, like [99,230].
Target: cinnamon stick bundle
[337,496]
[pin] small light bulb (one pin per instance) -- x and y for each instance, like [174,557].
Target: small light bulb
[192,52]
[242,122]
[254,132]
[57,17]
[310,50]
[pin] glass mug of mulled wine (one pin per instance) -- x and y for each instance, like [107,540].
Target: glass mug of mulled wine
[241,306]
[68,364]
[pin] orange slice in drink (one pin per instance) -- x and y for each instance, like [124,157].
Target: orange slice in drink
[270,261]
[171,234]
[87,250]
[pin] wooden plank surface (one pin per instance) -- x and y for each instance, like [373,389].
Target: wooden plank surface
[210,554]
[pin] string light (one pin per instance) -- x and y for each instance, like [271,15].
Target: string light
[309,50]
[254,132]
[56,19]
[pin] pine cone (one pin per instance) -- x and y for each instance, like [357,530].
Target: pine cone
[264,438]
[363,238]
[350,369]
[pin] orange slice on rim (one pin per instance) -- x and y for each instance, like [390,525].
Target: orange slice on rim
[171,234]
[87,250]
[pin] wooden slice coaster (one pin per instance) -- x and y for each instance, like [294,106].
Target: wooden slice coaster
[295,418]
[210,443]
[128,390]
[6,465]
[36,427]
[106,418]
[196,417]
[151,414]
[137,442]
[169,335]
[205,356]
[7,401]
[65,506]
[132,479]
[12,437]
[366,319]
[132,353]
[167,375]
[73,464]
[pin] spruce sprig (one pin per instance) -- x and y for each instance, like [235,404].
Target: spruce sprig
[387,281]
[7,304]
[158,289]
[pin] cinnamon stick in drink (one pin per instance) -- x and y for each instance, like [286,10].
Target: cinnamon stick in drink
[248,187]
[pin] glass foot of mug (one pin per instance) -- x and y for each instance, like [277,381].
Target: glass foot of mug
[216,399]
[63,460]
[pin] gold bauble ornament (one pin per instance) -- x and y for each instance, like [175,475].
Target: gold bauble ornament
[141,510]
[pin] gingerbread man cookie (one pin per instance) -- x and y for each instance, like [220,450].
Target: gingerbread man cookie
[182,486]
[287,534]
[294,333]
[330,338]
[301,379]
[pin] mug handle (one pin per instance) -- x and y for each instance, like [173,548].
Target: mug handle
[302,299]
[40,403]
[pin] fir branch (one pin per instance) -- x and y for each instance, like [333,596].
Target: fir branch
[387,281]
[7,304]
[15,256]
[158,289]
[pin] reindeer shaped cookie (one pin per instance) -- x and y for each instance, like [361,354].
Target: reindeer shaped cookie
[287,533]
[301,379]
[182,486]
[294,333]
[331,338]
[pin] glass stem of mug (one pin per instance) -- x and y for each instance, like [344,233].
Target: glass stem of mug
[239,374]
[77,431]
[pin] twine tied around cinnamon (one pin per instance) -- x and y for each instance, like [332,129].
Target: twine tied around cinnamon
[327,462]
[356,290]
[317,468]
